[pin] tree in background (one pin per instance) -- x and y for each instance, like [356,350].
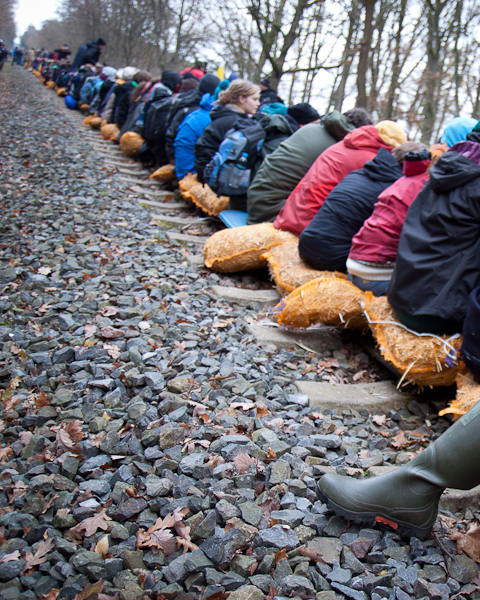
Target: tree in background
[7,22]
[409,60]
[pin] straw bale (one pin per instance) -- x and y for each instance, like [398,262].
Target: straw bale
[35,72]
[165,173]
[95,122]
[288,270]
[421,359]
[109,131]
[51,84]
[328,299]
[468,394]
[202,195]
[87,120]
[62,91]
[242,248]
[130,143]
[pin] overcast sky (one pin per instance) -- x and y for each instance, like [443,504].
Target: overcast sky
[34,12]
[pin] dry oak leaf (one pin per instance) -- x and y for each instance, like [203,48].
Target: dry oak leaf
[12,556]
[243,461]
[5,453]
[40,556]
[112,333]
[90,591]
[90,525]
[469,542]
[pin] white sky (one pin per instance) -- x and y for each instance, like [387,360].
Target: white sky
[34,12]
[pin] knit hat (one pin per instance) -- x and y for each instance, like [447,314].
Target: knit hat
[415,163]
[108,72]
[303,113]
[457,130]
[265,81]
[274,108]
[208,83]
[101,42]
[223,85]
[391,133]
[170,79]
[128,73]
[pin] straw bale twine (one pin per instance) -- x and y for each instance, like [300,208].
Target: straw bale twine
[288,270]
[242,248]
[419,358]
[109,131]
[165,173]
[468,394]
[330,299]
[130,143]
[202,195]
[95,122]
[62,91]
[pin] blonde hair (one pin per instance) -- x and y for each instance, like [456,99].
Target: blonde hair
[237,89]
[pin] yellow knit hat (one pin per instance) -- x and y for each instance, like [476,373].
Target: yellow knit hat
[391,133]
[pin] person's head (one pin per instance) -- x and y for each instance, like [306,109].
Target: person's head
[208,84]
[101,43]
[127,73]
[188,83]
[142,76]
[358,117]
[243,95]
[265,84]
[391,133]
[303,113]
[409,148]
[170,79]
[457,130]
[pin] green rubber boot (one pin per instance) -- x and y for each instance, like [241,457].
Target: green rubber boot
[406,498]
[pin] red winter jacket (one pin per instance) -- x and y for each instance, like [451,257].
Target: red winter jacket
[356,148]
[377,240]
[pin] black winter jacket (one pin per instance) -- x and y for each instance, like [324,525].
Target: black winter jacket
[182,105]
[122,102]
[438,259]
[325,242]
[223,119]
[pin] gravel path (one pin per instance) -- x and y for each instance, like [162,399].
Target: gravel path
[150,448]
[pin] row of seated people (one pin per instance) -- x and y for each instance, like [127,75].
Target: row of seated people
[360,196]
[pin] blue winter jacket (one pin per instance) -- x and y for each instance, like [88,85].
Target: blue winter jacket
[189,132]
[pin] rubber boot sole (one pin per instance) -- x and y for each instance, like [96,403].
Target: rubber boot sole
[372,519]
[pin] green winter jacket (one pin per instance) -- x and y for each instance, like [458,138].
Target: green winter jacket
[284,168]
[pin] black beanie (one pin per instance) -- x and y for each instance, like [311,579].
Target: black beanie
[170,79]
[208,84]
[303,113]
[101,42]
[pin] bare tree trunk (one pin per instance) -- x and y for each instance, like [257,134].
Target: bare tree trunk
[365,48]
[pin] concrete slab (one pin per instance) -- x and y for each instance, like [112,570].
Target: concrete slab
[194,259]
[160,218]
[377,396]
[316,339]
[152,193]
[172,207]
[139,181]
[245,296]
[173,236]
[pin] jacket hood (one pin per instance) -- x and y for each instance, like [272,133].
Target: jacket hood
[220,110]
[452,170]
[337,125]
[366,137]
[274,123]
[384,167]
[457,130]
[207,101]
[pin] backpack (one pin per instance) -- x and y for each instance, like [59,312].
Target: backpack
[229,172]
